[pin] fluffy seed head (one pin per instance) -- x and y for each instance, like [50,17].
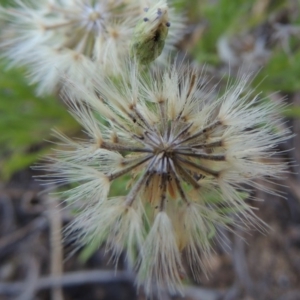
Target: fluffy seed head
[185,154]
[54,37]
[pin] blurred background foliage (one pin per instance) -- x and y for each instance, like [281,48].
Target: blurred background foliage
[26,120]
[222,35]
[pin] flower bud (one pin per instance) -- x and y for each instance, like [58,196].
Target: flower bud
[150,33]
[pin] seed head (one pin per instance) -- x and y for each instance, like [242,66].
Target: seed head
[54,37]
[185,154]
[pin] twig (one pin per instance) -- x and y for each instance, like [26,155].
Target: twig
[8,243]
[240,264]
[69,279]
[30,282]
[8,217]
[55,223]
[197,293]
[98,277]
[294,187]
[233,292]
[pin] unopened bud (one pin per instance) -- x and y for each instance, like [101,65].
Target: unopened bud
[150,33]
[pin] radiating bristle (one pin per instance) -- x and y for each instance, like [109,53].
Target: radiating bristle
[186,156]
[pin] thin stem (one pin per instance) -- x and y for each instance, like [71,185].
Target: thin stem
[134,136]
[183,131]
[163,115]
[187,176]
[118,147]
[152,138]
[139,184]
[149,127]
[205,145]
[177,182]
[136,188]
[202,131]
[58,25]
[147,143]
[117,174]
[134,120]
[198,167]
[168,131]
[192,84]
[163,186]
[215,157]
